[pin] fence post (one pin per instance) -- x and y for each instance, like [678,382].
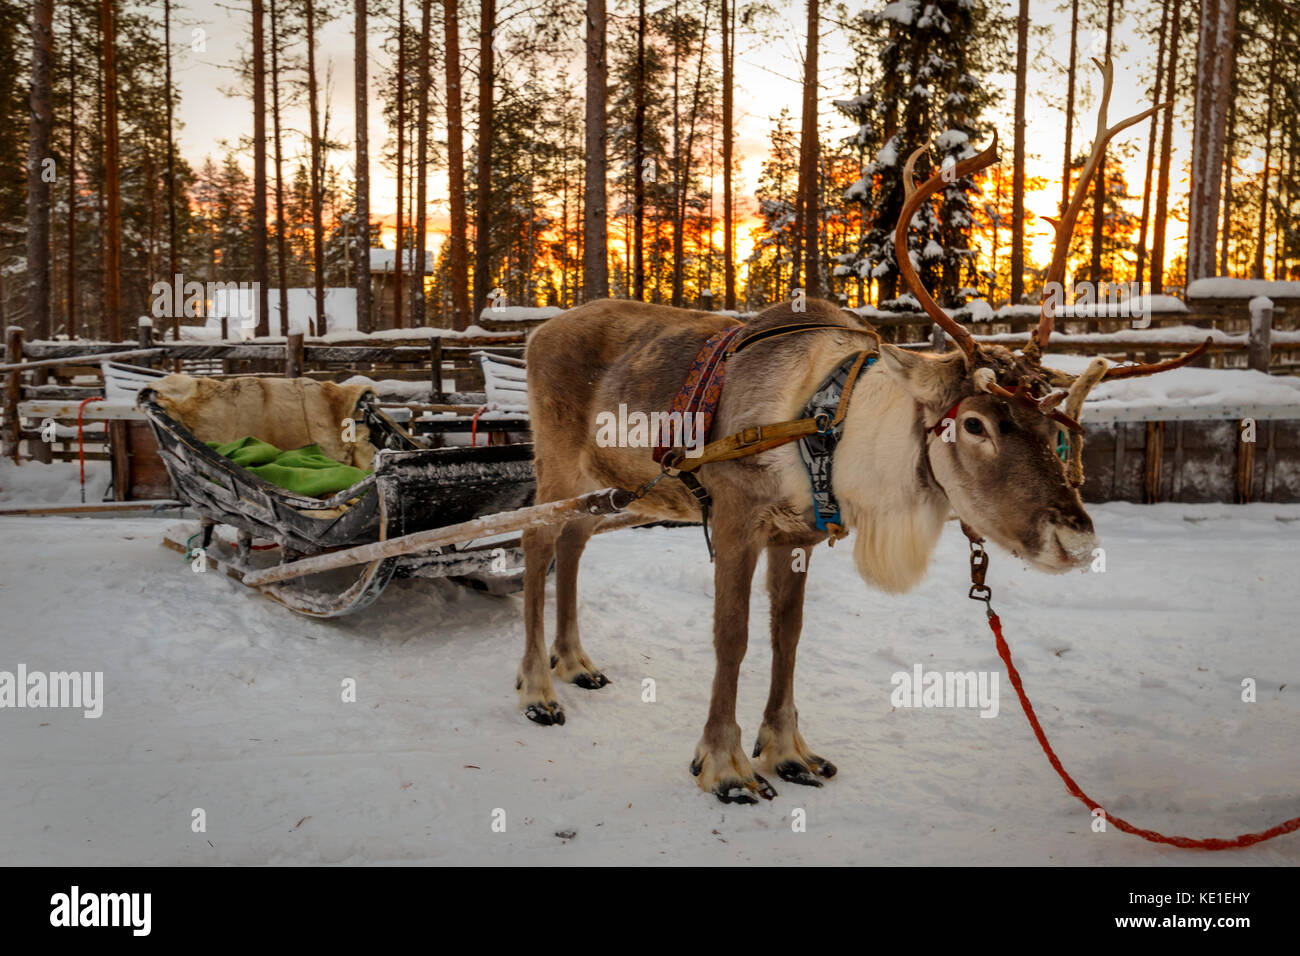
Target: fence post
[435,369]
[144,337]
[1259,347]
[13,391]
[293,355]
[938,338]
[42,450]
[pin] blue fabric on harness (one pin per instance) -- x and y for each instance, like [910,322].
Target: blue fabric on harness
[817,451]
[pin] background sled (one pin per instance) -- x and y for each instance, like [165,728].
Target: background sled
[411,489]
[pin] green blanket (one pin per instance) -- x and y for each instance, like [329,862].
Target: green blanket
[304,471]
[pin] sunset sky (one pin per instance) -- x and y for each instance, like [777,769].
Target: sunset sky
[768,72]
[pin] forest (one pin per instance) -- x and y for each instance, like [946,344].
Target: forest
[550,152]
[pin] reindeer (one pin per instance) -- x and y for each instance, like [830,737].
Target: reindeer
[896,477]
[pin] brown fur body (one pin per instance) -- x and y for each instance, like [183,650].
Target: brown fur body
[895,489]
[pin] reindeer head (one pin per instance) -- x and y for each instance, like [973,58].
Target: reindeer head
[1014,470]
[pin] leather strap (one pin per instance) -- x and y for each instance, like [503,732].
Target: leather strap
[774,331]
[761,438]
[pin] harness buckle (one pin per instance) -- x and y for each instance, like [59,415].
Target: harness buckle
[750,436]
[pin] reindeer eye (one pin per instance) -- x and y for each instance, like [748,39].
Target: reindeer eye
[974,426]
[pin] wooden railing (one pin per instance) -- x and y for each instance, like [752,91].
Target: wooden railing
[68,373]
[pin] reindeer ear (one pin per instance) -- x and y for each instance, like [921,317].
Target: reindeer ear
[934,381]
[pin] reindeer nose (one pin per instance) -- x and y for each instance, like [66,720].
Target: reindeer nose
[1079,521]
[1073,519]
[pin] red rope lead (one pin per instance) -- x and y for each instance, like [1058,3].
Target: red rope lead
[1246,839]
[473,427]
[81,445]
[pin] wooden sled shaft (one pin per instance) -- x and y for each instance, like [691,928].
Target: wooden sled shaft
[606,502]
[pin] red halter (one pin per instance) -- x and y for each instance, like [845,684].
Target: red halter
[937,428]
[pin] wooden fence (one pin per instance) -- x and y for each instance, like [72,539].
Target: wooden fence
[1151,455]
[59,376]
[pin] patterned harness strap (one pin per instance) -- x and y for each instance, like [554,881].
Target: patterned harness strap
[818,449]
[818,431]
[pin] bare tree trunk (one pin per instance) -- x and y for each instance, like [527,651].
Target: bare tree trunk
[808,155]
[564,219]
[1099,184]
[997,219]
[595,264]
[173,252]
[1069,105]
[361,91]
[681,199]
[728,211]
[483,203]
[281,240]
[1166,148]
[675,290]
[1151,148]
[112,179]
[101,185]
[1229,143]
[422,166]
[261,277]
[1258,272]
[40,128]
[1213,83]
[317,187]
[72,164]
[459,249]
[638,161]
[401,166]
[1287,182]
[1018,157]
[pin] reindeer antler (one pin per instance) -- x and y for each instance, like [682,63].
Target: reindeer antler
[1064,227]
[986,381]
[1038,387]
[913,198]
[1135,371]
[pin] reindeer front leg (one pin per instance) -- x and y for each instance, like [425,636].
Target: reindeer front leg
[536,693]
[720,764]
[780,746]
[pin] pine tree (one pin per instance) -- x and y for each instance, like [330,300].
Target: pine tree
[928,92]
[774,239]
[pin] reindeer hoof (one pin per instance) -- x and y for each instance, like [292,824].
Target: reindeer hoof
[735,791]
[792,771]
[792,762]
[545,714]
[577,668]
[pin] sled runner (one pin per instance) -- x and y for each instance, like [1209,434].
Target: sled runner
[408,489]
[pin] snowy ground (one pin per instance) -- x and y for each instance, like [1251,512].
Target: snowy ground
[218,699]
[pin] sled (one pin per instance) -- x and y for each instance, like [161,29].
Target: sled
[411,489]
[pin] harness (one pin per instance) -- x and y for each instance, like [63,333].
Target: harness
[818,450]
[818,431]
